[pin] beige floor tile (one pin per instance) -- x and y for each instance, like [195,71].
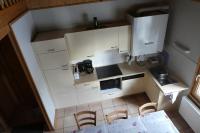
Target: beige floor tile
[60,113]
[100,115]
[118,101]
[95,106]
[70,111]
[121,107]
[101,122]
[59,123]
[84,107]
[69,121]
[70,129]
[108,110]
[107,103]
[132,108]
[133,115]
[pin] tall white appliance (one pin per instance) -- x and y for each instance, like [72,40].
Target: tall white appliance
[148,33]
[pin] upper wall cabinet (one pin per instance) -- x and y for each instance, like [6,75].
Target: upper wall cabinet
[106,39]
[52,54]
[86,44]
[81,44]
[149,34]
[49,46]
[124,39]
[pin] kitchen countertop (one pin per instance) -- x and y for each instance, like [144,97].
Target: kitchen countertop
[134,69]
[126,70]
[170,88]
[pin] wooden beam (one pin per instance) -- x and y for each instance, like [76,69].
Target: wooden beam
[40,4]
[10,13]
[4,31]
[30,79]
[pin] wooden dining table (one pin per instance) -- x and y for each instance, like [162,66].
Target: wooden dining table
[156,122]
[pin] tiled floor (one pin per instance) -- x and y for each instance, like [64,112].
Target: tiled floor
[65,121]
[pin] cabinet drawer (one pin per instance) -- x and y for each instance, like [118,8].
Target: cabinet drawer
[49,46]
[54,60]
[88,87]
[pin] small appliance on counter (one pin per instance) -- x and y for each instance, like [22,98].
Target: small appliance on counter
[85,66]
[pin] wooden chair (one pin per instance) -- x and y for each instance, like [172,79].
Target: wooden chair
[115,115]
[85,118]
[147,108]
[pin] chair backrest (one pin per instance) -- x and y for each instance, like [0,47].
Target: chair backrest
[85,118]
[147,108]
[115,115]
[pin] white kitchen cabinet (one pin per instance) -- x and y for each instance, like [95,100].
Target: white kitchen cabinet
[88,92]
[81,45]
[124,37]
[61,84]
[106,39]
[133,84]
[49,46]
[113,94]
[54,60]
[149,34]
[152,90]
[60,80]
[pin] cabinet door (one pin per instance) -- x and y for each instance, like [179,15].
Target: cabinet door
[60,80]
[133,86]
[88,92]
[152,89]
[49,46]
[149,34]
[124,39]
[81,45]
[106,39]
[54,60]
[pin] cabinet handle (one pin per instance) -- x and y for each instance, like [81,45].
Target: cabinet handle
[148,43]
[51,50]
[66,65]
[65,69]
[114,47]
[123,51]
[90,56]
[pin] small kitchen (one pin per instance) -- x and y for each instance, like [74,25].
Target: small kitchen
[100,60]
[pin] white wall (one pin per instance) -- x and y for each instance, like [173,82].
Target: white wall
[23,30]
[70,16]
[106,58]
[184,27]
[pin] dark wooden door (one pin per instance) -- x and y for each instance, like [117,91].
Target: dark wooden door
[18,106]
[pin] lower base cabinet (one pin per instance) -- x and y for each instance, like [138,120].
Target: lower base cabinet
[151,89]
[62,89]
[88,92]
[156,95]
[133,85]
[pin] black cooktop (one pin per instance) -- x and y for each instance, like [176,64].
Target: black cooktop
[108,71]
